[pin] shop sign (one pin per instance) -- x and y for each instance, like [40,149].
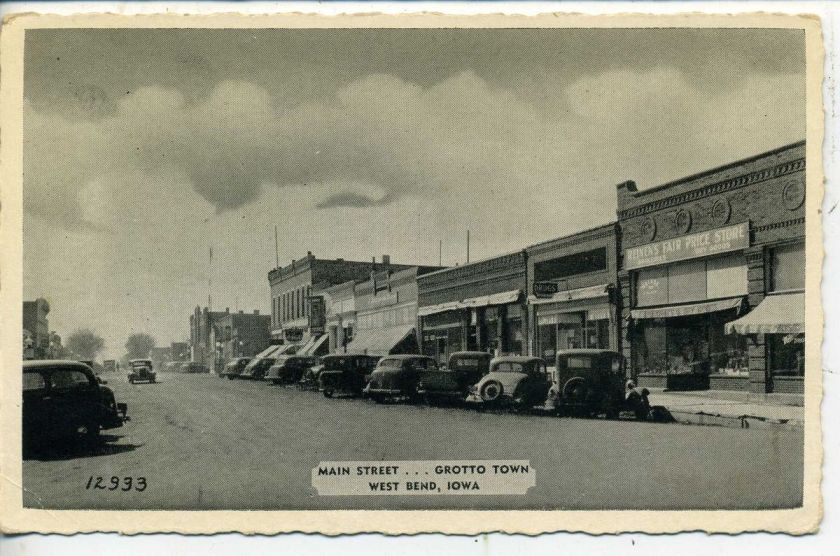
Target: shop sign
[702,244]
[545,289]
[317,315]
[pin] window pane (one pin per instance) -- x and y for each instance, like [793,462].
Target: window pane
[67,379]
[788,267]
[727,276]
[652,286]
[33,381]
[687,282]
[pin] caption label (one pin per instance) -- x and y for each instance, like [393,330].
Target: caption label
[408,478]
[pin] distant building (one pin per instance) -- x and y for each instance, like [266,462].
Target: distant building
[159,356]
[239,334]
[293,285]
[201,324]
[36,324]
[179,351]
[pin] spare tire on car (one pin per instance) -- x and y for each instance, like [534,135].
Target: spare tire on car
[491,391]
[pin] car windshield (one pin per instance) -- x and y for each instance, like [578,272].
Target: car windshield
[509,367]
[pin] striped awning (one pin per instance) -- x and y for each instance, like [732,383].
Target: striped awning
[776,314]
[687,310]
[379,341]
[502,298]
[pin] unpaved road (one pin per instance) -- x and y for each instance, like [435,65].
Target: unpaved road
[202,442]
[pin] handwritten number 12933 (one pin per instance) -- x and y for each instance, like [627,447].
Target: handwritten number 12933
[116,483]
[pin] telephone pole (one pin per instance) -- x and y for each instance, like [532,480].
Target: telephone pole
[468,246]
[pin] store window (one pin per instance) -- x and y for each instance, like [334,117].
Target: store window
[786,354]
[692,281]
[514,339]
[787,266]
[689,345]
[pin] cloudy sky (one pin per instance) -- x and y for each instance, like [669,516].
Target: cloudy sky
[144,148]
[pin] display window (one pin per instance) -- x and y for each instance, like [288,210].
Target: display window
[786,354]
[689,345]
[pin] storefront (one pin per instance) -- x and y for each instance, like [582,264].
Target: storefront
[340,315]
[386,313]
[712,274]
[571,284]
[475,307]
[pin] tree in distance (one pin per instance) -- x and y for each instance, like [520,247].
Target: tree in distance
[139,345]
[84,343]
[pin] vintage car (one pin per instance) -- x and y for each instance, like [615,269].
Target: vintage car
[64,400]
[464,369]
[396,376]
[346,373]
[256,369]
[235,367]
[591,382]
[513,381]
[194,367]
[289,369]
[141,370]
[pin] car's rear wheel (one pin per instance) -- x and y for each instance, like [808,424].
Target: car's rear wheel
[328,392]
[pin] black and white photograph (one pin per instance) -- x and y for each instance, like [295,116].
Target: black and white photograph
[420,267]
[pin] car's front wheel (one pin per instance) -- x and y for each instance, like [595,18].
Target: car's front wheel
[328,392]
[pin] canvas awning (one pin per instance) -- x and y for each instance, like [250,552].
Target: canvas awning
[379,341]
[502,298]
[312,345]
[687,310]
[267,352]
[776,314]
[589,292]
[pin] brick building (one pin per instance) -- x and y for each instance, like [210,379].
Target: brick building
[712,276]
[294,284]
[572,293]
[239,334]
[478,306]
[386,312]
[202,320]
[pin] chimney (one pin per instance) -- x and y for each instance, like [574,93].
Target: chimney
[256,311]
[386,260]
[241,311]
[309,253]
[227,309]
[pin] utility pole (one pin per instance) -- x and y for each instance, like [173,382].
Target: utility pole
[210,282]
[468,246]
[276,249]
[440,252]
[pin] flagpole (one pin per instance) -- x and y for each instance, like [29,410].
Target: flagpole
[210,282]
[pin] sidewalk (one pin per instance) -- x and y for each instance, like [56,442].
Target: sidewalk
[732,409]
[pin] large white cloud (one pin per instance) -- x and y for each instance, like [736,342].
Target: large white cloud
[137,194]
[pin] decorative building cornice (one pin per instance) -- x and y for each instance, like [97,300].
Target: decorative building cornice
[776,225]
[715,188]
[447,287]
[602,232]
[511,263]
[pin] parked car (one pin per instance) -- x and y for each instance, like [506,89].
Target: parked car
[513,380]
[193,367]
[172,366]
[464,369]
[312,376]
[346,373]
[289,369]
[109,365]
[141,370]
[235,367]
[257,368]
[591,382]
[64,400]
[396,376]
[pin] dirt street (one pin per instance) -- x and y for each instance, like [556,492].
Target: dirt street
[201,442]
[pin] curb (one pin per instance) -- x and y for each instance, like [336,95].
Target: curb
[735,421]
